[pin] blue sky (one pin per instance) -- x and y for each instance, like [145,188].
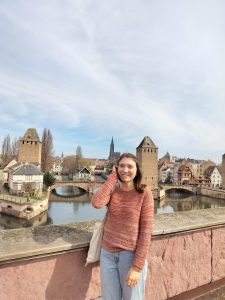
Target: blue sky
[90,70]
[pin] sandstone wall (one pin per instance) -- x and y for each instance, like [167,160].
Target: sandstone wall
[177,263]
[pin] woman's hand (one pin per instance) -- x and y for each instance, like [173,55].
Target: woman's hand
[133,277]
[114,168]
[114,176]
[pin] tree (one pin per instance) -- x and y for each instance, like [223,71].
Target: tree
[69,164]
[6,149]
[47,150]
[28,188]
[85,162]
[10,149]
[15,149]
[49,179]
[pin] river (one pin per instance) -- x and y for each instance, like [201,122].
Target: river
[77,208]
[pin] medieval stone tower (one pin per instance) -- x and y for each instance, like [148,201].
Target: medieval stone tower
[223,171]
[147,155]
[30,147]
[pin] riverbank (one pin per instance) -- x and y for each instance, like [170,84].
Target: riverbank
[213,193]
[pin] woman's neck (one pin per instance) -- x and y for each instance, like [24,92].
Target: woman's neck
[127,186]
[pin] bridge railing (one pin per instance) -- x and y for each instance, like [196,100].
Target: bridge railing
[78,181]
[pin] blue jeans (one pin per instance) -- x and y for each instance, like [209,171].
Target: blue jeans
[114,268]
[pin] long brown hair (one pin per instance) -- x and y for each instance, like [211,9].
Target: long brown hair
[137,179]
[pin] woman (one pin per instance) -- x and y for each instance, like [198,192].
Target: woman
[127,231]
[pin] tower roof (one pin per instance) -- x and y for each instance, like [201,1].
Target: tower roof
[147,142]
[27,169]
[31,135]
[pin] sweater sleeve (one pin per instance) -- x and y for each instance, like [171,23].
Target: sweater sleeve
[145,231]
[102,196]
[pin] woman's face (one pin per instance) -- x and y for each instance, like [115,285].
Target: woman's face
[127,169]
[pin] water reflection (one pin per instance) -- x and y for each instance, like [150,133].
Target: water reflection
[78,208]
[176,201]
[74,209]
[9,222]
[68,191]
[81,197]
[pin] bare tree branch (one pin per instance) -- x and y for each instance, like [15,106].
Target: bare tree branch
[47,150]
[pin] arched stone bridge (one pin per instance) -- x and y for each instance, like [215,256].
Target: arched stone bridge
[88,186]
[189,188]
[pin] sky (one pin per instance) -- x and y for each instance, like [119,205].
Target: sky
[90,70]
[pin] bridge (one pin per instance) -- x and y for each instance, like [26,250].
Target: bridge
[87,186]
[189,188]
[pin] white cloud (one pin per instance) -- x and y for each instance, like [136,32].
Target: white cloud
[126,69]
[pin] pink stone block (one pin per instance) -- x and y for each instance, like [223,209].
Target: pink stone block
[218,253]
[59,277]
[178,263]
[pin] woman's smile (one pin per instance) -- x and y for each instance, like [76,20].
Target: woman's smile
[127,169]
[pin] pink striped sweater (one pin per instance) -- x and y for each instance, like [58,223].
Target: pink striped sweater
[129,221]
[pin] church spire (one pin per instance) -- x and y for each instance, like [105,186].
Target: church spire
[111,151]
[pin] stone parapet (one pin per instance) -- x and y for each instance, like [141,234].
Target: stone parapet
[187,252]
[44,240]
[26,242]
